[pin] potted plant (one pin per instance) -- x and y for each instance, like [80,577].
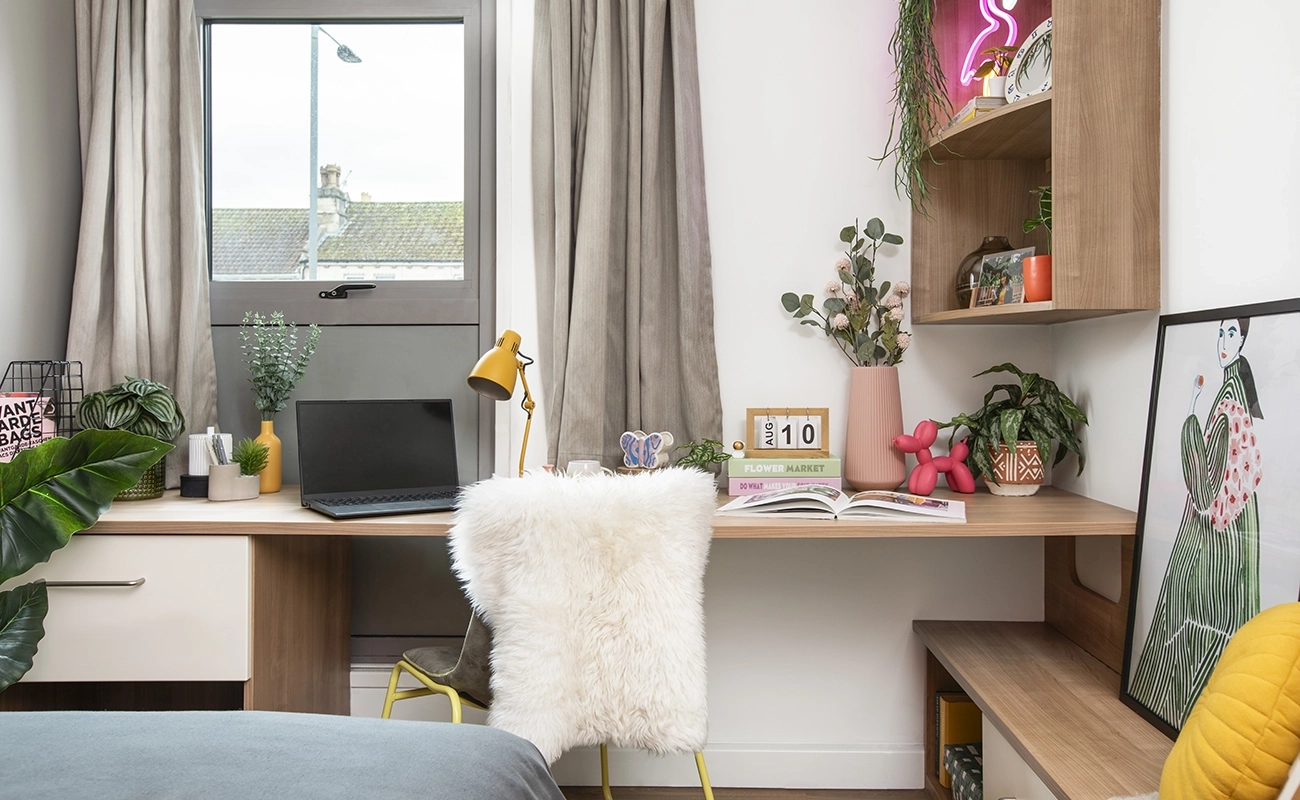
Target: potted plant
[1010,436]
[239,480]
[994,71]
[275,365]
[865,321]
[51,491]
[702,455]
[142,407]
[1038,268]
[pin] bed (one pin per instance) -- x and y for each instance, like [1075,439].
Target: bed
[257,754]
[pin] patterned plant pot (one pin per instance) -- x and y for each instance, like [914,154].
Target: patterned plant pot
[150,486]
[1018,472]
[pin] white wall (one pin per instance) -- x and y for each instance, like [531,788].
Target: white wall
[815,678]
[40,176]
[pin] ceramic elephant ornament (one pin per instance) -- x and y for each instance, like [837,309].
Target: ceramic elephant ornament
[928,466]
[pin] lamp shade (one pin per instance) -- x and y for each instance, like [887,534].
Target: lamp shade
[494,374]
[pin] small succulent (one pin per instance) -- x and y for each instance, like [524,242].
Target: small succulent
[702,454]
[251,456]
[137,405]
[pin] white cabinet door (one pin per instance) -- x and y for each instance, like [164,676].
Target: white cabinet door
[188,620]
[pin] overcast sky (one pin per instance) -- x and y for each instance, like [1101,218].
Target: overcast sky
[394,122]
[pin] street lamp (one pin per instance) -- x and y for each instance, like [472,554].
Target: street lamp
[345,55]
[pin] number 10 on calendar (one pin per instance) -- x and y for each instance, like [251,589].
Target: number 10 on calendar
[787,432]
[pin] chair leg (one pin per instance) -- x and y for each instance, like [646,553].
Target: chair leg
[604,772]
[704,776]
[392,691]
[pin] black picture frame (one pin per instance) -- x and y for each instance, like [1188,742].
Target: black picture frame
[1280,307]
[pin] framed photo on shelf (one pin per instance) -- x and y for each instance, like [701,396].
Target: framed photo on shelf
[1218,523]
[1001,279]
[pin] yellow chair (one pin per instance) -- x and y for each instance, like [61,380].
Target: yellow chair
[462,674]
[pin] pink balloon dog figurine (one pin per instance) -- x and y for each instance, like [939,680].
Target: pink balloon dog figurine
[926,474]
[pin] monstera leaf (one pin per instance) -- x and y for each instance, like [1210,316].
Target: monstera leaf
[48,493]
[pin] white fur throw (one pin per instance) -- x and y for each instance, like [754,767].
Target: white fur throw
[594,590]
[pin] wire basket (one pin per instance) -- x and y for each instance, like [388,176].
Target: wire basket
[60,381]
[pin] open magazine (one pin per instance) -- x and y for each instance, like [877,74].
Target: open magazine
[825,502]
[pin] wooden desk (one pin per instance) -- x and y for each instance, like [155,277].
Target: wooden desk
[1051,512]
[300,579]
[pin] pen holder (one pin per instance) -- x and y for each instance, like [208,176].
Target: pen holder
[225,483]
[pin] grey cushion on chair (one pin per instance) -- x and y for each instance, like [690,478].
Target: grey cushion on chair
[468,669]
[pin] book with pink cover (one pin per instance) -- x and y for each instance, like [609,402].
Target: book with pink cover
[25,421]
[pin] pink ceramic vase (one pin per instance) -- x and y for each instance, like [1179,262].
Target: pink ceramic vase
[875,417]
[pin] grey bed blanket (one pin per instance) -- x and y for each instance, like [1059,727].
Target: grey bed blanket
[73,755]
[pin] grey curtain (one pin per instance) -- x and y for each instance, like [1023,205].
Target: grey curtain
[140,292]
[625,296]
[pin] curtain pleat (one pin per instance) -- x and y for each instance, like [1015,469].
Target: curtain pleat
[140,291]
[625,292]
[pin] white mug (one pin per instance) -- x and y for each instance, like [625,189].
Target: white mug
[586,467]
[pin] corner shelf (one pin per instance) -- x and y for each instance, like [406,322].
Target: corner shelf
[1095,142]
[1020,130]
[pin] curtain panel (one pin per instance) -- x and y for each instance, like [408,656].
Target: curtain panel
[140,291]
[625,294]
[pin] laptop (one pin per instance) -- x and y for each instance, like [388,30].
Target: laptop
[366,458]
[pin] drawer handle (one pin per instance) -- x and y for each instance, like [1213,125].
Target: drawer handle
[82,584]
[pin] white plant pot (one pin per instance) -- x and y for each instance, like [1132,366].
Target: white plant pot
[225,483]
[995,86]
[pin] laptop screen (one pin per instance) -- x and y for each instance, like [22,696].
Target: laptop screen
[375,445]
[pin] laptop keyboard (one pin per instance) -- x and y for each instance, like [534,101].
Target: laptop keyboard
[401,498]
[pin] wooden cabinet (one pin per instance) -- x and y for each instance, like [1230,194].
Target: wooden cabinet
[1095,138]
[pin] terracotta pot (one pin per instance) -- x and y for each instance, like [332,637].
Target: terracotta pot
[1019,473]
[875,417]
[270,477]
[1038,278]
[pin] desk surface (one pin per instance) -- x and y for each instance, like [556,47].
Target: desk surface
[1051,512]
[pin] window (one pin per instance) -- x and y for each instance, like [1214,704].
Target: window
[349,151]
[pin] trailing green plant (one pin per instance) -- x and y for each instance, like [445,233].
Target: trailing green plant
[251,456]
[1034,409]
[921,104]
[1039,48]
[1044,218]
[275,361]
[48,493]
[999,62]
[856,303]
[702,454]
[136,405]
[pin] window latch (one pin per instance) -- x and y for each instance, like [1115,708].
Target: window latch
[340,292]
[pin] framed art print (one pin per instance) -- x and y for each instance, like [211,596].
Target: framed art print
[1218,526]
[1001,278]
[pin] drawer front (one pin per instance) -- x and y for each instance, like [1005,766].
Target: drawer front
[188,620]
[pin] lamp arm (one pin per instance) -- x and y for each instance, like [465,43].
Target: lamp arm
[528,406]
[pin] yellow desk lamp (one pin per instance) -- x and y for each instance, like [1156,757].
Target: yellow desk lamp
[494,378]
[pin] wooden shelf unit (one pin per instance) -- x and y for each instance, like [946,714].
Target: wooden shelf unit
[1098,132]
[1057,705]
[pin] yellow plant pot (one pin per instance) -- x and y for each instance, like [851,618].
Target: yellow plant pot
[271,477]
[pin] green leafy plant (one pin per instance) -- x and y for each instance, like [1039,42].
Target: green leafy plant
[999,63]
[1039,48]
[251,456]
[48,493]
[275,362]
[856,304]
[702,454]
[1034,409]
[921,104]
[136,405]
[1044,218]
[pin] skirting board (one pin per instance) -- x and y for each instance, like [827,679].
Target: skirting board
[740,765]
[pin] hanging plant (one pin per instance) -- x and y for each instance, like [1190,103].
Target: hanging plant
[921,104]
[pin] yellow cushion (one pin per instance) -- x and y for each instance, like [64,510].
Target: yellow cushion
[1244,731]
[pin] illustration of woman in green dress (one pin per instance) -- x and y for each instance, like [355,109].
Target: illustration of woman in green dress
[1211,586]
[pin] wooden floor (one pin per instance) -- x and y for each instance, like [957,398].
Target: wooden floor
[689,793]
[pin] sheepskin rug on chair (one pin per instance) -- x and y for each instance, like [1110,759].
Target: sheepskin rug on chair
[594,589]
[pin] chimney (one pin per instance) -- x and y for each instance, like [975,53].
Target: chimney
[331,201]
[365,197]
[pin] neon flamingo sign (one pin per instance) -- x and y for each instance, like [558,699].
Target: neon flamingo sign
[996,18]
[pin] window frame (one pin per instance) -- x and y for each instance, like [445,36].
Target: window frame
[470,301]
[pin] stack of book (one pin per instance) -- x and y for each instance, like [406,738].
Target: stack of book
[748,476]
[976,107]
